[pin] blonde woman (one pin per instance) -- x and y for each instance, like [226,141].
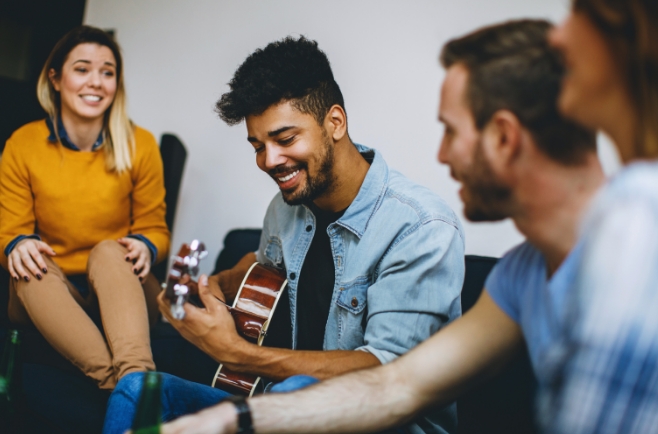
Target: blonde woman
[606,369]
[82,214]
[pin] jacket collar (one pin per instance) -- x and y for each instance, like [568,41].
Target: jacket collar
[367,201]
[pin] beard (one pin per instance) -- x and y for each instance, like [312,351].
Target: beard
[488,196]
[316,185]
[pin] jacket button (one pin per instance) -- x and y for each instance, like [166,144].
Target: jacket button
[342,289]
[292,276]
[309,228]
[355,302]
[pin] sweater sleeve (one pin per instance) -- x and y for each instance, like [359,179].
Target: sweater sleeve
[148,205]
[16,200]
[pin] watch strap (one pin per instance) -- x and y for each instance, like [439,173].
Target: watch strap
[245,425]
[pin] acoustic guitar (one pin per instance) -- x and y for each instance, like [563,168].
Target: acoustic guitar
[252,309]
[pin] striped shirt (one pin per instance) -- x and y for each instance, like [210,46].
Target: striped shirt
[605,376]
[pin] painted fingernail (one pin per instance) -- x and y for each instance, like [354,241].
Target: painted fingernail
[127,259]
[136,271]
[16,278]
[38,276]
[45,270]
[25,278]
[134,261]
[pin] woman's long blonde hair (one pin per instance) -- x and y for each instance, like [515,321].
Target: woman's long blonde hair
[631,29]
[118,132]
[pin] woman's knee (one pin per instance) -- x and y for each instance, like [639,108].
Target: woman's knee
[54,277]
[106,249]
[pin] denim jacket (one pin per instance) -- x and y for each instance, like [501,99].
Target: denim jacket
[399,260]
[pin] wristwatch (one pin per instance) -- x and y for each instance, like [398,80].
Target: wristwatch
[245,425]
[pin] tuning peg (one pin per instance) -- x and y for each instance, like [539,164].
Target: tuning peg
[177,309]
[180,289]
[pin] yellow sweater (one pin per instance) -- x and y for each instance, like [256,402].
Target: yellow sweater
[72,202]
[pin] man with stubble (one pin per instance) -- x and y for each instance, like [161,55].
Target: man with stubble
[375,262]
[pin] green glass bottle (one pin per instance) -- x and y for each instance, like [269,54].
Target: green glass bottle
[10,382]
[148,417]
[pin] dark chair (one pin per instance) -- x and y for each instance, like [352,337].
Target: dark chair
[503,404]
[173,155]
[237,243]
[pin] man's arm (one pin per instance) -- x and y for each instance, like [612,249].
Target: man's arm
[454,359]
[212,329]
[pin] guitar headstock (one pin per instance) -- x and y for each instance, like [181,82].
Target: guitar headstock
[184,267]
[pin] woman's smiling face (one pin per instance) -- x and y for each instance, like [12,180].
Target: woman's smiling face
[87,83]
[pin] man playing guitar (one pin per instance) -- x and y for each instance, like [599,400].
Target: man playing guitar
[374,262]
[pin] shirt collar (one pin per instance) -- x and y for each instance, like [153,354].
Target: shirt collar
[370,195]
[64,137]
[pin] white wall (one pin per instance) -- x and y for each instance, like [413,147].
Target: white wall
[179,55]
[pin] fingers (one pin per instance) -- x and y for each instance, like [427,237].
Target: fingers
[17,265]
[204,291]
[145,271]
[215,289]
[35,252]
[125,242]
[133,252]
[45,248]
[139,254]
[12,270]
[24,262]
[163,306]
[207,298]
[25,259]
[141,267]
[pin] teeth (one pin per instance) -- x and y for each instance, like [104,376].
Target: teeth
[94,98]
[289,177]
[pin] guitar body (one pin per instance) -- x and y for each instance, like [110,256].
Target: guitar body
[252,310]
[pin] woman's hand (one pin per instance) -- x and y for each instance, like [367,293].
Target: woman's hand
[139,254]
[26,259]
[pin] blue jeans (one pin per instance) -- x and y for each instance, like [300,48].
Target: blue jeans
[179,397]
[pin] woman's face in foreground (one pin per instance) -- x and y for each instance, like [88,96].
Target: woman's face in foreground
[593,83]
[87,83]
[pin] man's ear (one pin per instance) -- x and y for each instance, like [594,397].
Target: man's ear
[52,76]
[336,122]
[503,135]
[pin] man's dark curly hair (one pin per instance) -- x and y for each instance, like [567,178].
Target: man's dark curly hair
[511,67]
[294,70]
